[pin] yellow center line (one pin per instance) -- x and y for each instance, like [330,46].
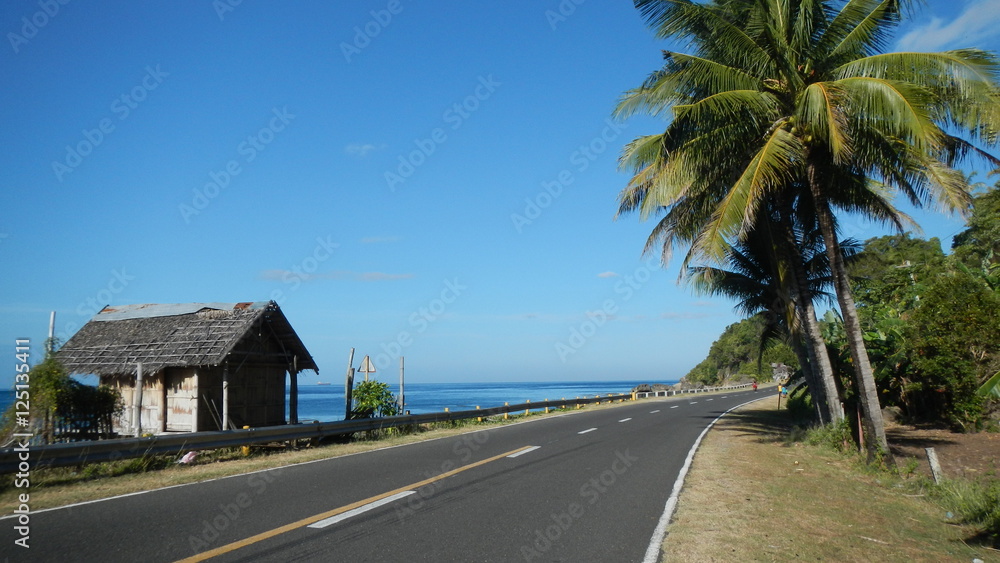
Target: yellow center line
[316,518]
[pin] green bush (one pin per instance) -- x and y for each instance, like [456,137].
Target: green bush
[836,436]
[372,398]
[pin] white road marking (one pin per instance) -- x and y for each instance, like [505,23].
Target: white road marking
[675,406]
[709,399]
[625,419]
[654,412]
[359,510]
[587,430]
[693,403]
[522,452]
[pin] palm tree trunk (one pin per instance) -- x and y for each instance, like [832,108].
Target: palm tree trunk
[824,367]
[876,445]
[804,354]
[819,360]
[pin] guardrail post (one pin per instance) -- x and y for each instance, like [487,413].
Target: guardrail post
[506,415]
[526,410]
[478,418]
[245,449]
[546,407]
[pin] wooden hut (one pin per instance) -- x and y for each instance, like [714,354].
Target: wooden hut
[201,366]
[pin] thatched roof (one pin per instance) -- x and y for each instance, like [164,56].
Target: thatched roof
[182,335]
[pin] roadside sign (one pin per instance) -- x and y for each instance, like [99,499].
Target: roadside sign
[366,367]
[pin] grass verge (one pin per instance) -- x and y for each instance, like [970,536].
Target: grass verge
[756,492]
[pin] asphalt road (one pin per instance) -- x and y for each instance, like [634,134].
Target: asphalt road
[593,488]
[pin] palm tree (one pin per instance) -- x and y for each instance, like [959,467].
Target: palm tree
[796,94]
[763,273]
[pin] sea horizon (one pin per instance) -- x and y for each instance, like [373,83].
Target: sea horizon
[326,403]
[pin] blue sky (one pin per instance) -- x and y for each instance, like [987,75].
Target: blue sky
[434,179]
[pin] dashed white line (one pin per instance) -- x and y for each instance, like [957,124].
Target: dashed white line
[654,412]
[587,430]
[522,452]
[693,403]
[709,399]
[625,419]
[360,510]
[675,406]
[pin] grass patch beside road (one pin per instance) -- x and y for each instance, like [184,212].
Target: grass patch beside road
[754,494]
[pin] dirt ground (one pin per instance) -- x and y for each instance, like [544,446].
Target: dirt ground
[961,455]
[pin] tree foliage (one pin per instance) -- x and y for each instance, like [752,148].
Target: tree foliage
[62,408]
[372,398]
[797,99]
[737,351]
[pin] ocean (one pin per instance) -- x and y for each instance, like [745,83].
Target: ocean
[325,403]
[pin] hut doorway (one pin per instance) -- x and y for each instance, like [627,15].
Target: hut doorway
[181,400]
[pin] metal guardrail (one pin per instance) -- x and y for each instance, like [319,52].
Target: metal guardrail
[690,391]
[13,459]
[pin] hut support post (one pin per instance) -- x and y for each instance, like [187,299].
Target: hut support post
[225,396]
[163,401]
[293,392]
[138,399]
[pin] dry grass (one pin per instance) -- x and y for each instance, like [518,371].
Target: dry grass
[754,496]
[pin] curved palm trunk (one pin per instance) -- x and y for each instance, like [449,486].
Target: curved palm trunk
[825,388]
[800,346]
[876,444]
[824,367]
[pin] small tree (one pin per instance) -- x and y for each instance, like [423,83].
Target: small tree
[372,398]
[59,403]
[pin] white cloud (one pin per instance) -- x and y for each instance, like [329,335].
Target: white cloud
[607,275]
[980,21]
[362,150]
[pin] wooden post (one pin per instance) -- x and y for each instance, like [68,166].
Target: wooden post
[349,386]
[932,459]
[225,396]
[138,399]
[163,401]
[293,392]
[402,403]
